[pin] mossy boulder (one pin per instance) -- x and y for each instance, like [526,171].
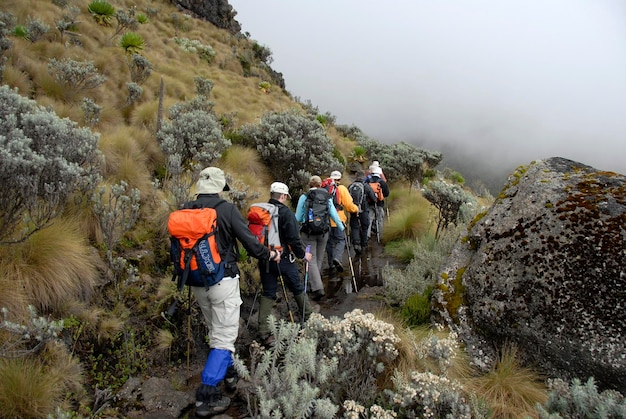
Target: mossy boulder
[546,269]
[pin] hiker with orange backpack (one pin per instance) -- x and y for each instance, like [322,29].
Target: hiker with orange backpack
[343,202]
[220,303]
[285,269]
[377,212]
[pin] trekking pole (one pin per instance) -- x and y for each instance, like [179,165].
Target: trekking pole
[350,260]
[282,282]
[256,295]
[188,332]
[306,278]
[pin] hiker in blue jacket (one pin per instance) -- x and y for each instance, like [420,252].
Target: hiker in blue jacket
[220,303]
[317,241]
[285,270]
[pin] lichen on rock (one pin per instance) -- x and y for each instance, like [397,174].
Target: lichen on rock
[546,269]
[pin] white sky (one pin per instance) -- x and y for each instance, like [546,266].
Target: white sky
[505,81]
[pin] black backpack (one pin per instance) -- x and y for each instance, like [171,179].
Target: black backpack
[357,192]
[317,214]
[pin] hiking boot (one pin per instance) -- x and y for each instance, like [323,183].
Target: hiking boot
[231,379]
[357,249]
[317,295]
[210,402]
[338,265]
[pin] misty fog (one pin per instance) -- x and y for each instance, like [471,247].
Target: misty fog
[491,84]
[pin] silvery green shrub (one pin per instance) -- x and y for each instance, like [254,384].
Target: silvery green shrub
[426,395]
[134,92]
[36,29]
[191,141]
[7,21]
[581,401]
[408,162]
[140,68]
[91,110]
[421,272]
[295,146]
[284,380]
[75,76]
[20,340]
[44,160]
[448,199]
[363,347]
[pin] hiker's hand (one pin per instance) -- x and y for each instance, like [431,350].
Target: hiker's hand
[274,256]
[308,256]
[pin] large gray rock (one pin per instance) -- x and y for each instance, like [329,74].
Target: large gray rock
[218,12]
[545,268]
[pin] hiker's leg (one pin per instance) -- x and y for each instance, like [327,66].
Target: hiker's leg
[354,229]
[381,218]
[291,276]
[365,225]
[340,244]
[269,280]
[372,217]
[322,239]
[330,245]
[202,297]
[314,280]
[224,306]
[304,306]
[226,302]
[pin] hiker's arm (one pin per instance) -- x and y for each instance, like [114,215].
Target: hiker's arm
[300,215]
[334,215]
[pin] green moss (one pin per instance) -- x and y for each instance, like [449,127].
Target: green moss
[476,219]
[455,298]
[416,309]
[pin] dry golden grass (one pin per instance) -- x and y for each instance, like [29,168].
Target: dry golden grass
[108,327]
[511,390]
[255,174]
[125,158]
[54,265]
[28,389]
[410,215]
[11,296]
[16,78]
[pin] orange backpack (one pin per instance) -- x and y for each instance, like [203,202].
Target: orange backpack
[263,223]
[194,250]
[378,190]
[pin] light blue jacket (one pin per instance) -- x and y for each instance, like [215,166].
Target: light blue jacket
[301,211]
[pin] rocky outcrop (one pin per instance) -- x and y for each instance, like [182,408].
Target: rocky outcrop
[545,268]
[218,12]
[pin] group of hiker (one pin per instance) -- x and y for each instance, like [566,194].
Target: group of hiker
[317,228]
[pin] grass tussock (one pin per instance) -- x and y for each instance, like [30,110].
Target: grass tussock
[511,390]
[28,389]
[255,174]
[409,218]
[53,265]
